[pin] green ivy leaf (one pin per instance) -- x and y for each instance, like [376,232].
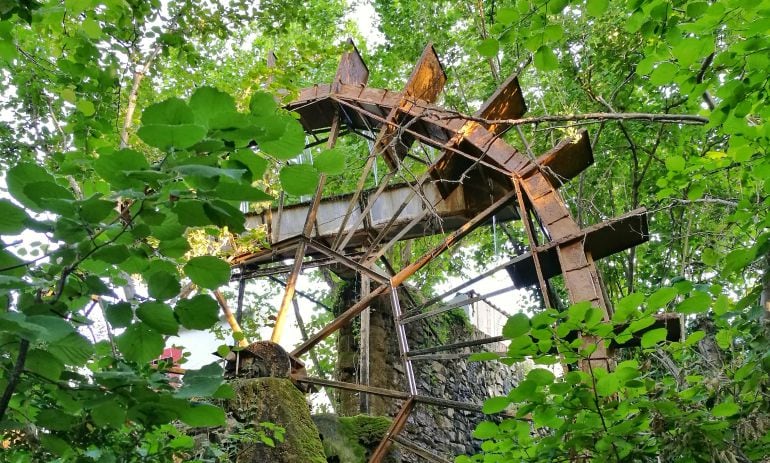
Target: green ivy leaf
[140,343]
[197,313]
[208,272]
[299,179]
[516,326]
[12,218]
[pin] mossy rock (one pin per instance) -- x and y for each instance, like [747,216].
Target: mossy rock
[352,439]
[278,401]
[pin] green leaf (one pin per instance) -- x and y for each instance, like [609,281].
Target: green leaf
[44,364]
[541,376]
[488,47]
[119,315]
[140,343]
[199,170]
[201,383]
[112,254]
[661,297]
[485,430]
[737,259]
[20,176]
[12,218]
[262,104]
[113,165]
[197,313]
[725,409]
[208,272]
[495,405]
[172,111]
[597,7]
[110,413]
[256,164]
[330,162]
[627,306]
[663,73]
[516,326]
[174,248]
[285,141]
[724,338]
[163,285]
[208,103]
[654,337]
[697,303]
[545,59]
[675,163]
[91,28]
[86,107]
[94,210]
[556,6]
[506,16]
[709,257]
[608,385]
[158,316]
[74,349]
[165,136]
[203,415]
[299,179]
[223,214]
[232,191]
[190,212]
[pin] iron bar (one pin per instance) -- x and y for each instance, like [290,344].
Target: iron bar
[525,217]
[457,345]
[383,249]
[363,351]
[291,282]
[398,424]
[370,203]
[341,320]
[378,391]
[403,343]
[454,305]
[348,262]
[470,282]
[302,294]
[419,451]
[427,140]
[354,200]
[457,356]
[241,294]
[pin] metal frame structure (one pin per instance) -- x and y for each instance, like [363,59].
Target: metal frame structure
[478,175]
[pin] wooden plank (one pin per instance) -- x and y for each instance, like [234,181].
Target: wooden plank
[230,317]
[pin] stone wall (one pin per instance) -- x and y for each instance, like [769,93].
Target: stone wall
[445,431]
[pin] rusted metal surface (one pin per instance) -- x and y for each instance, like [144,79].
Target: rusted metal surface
[419,451]
[352,69]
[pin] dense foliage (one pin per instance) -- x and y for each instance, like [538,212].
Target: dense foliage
[94,205]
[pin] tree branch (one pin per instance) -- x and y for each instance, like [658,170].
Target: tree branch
[13,380]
